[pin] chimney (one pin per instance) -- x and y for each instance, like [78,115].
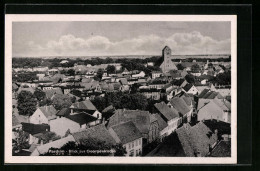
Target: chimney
[41,142]
[216,131]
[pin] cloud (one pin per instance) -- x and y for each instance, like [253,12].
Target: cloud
[180,43]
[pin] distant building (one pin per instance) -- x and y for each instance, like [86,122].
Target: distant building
[167,63]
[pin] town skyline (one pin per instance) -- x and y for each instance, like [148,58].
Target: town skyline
[106,38]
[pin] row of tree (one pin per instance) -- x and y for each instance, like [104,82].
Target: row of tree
[27,101]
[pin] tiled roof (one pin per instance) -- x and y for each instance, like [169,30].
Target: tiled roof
[63,112]
[166,111]
[222,149]
[196,139]
[162,123]
[187,87]
[81,118]
[98,132]
[180,105]
[35,128]
[141,119]
[48,111]
[127,132]
[123,81]
[85,105]
[51,92]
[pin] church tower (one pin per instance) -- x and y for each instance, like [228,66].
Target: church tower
[167,63]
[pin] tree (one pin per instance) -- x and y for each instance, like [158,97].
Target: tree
[180,66]
[26,103]
[46,137]
[111,69]
[45,102]
[76,92]
[99,102]
[71,72]
[190,78]
[61,101]
[224,78]
[195,68]
[100,73]
[39,94]
[21,141]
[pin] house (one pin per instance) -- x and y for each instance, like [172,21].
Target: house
[139,75]
[197,140]
[157,84]
[125,72]
[43,115]
[219,109]
[145,122]
[190,89]
[181,106]
[72,123]
[208,94]
[156,74]
[151,93]
[85,106]
[129,136]
[170,116]
[166,63]
[64,61]
[124,84]
[50,93]
[42,149]
[34,131]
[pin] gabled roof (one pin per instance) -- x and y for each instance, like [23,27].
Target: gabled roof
[81,118]
[196,139]
[141,119]
[166,111]
[35,128]
[63,112]
[126,132]
[98,132]
[208,94]
[187,87]
[49,112]
[180,105]
[162,123]
[51,92]
[222,149]
[123,81]
[84,105]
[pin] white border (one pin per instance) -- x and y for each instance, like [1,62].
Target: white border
[9,18]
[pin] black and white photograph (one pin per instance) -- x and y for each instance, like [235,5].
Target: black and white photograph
[120,89]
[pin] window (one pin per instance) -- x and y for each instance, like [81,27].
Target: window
[129,146]
[136,153]
[133,144]
[136,143]
[140,141]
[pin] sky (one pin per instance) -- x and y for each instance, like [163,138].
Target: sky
[111,38]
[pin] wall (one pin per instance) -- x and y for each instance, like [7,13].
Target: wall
[61,125]
[134,147]
[38,117]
